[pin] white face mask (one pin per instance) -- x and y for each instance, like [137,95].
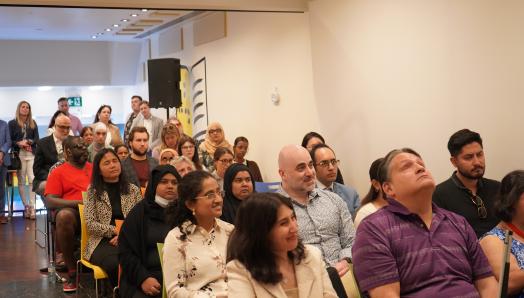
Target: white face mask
[161,201]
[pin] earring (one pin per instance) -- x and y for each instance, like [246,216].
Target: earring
[193,211]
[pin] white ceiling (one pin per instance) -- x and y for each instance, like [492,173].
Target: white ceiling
[48,23]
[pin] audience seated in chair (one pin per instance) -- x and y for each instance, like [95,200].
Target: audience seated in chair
[166,156]
[144,227]
[326,167]
[223,158]
[187,148]
[323,217]
[238,186]
[168,140]
[310,140]
[374,200]
[266,257]
[183,165]
[413,248]
[195,250]
[109,199]
[63,192]
[240,148]
[99,140]
[509,208]
[49,150]
[138,165]
[215,138]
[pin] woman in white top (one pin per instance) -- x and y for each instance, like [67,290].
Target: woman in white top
[266,257]
[195,250]
[374,200]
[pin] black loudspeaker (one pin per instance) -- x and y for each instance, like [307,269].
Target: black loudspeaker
[164,83]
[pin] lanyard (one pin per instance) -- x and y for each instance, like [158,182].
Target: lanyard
[515,229]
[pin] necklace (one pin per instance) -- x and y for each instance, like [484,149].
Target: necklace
[515,229]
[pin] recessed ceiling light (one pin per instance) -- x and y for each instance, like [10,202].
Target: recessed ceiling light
[124,20]
[93,37]
[44,88]
[116,25]
[134,15]
[108,29]
[144,10]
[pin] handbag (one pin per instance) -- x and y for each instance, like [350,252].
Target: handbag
[16,163]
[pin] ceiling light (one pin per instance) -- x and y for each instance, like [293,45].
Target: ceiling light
[108,29]
[96,88]
[144,10]
[116,25]
[44,88]
[93,37]
[134,15]
[124,20]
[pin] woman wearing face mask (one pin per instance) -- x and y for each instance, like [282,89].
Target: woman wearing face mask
[238,186]
[195,250]
[144,227]
[267,259]
[109,198]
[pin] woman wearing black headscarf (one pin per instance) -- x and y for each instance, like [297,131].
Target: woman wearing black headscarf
[144,227]
[238,186]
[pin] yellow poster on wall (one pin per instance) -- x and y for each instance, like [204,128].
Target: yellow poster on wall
[184,113]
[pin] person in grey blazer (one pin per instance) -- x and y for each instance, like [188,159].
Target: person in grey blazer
[5,161]
[152,123]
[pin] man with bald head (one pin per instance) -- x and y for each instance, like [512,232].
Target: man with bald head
[49,151]
[323,217]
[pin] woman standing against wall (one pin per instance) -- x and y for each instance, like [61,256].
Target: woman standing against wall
[24,134]
[113,132]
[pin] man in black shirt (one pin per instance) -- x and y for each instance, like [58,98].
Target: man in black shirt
[467,192]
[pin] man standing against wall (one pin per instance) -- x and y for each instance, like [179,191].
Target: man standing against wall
[136,100]
[467,192]
[76,125]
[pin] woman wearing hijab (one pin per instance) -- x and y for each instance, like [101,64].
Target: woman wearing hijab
[166,156]
[144,227]
[238,186]
[215,138]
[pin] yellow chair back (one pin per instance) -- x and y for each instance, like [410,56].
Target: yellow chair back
[350,284]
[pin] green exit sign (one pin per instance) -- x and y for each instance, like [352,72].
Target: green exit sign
[75,101]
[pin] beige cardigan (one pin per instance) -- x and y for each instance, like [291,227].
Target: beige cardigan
[98,212]
[312,280]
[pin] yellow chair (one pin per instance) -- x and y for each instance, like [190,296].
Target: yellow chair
[98,273]
[160,247]
[350,284]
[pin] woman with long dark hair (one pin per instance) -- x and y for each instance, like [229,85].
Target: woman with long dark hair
[109,198]
[113,132]
[195,250]
[24,134]
[267,259]
[187,148]
[144,227]
[375,199]
[238,186]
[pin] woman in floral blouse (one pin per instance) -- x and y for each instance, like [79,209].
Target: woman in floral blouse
[195,250]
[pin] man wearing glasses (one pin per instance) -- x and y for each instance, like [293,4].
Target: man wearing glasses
[467,192]
[49,150]
[326,166]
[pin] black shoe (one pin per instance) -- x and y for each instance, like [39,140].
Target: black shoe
[61,268]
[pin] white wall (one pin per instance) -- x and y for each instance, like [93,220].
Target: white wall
[410,73]
[261,51]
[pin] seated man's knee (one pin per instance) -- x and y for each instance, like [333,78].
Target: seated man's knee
[66,217]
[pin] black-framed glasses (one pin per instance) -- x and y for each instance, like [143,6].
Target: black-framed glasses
[213,195]
[481,208]
[326,163]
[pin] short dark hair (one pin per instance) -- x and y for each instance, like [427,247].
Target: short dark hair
[145,102]
[53,118]
[250,243]
[511,189]
[136,129]
[62,99]
[137,96]
[188,189]
[314,150]
[311,135]
[383,174]
[69,142]
[85,129]
[117,146]
[373,175]
[221,151]
[240,139]
[462,138]
[98,185]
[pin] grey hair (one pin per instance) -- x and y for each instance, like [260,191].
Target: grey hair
[182,158]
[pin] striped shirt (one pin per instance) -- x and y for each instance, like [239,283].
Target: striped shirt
[394,245]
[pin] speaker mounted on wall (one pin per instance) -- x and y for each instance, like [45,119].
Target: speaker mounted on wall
[164,83]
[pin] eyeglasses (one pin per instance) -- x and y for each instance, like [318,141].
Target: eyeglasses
[326,163]
[188,147]
[218,130]
[64,127]
[481,208]
[226,161]
[213,195]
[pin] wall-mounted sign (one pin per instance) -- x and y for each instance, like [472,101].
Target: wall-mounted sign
[75,101]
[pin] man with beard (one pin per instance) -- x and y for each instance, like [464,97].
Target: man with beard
[323,217]
[63,192]
[138,165]
[467,192]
